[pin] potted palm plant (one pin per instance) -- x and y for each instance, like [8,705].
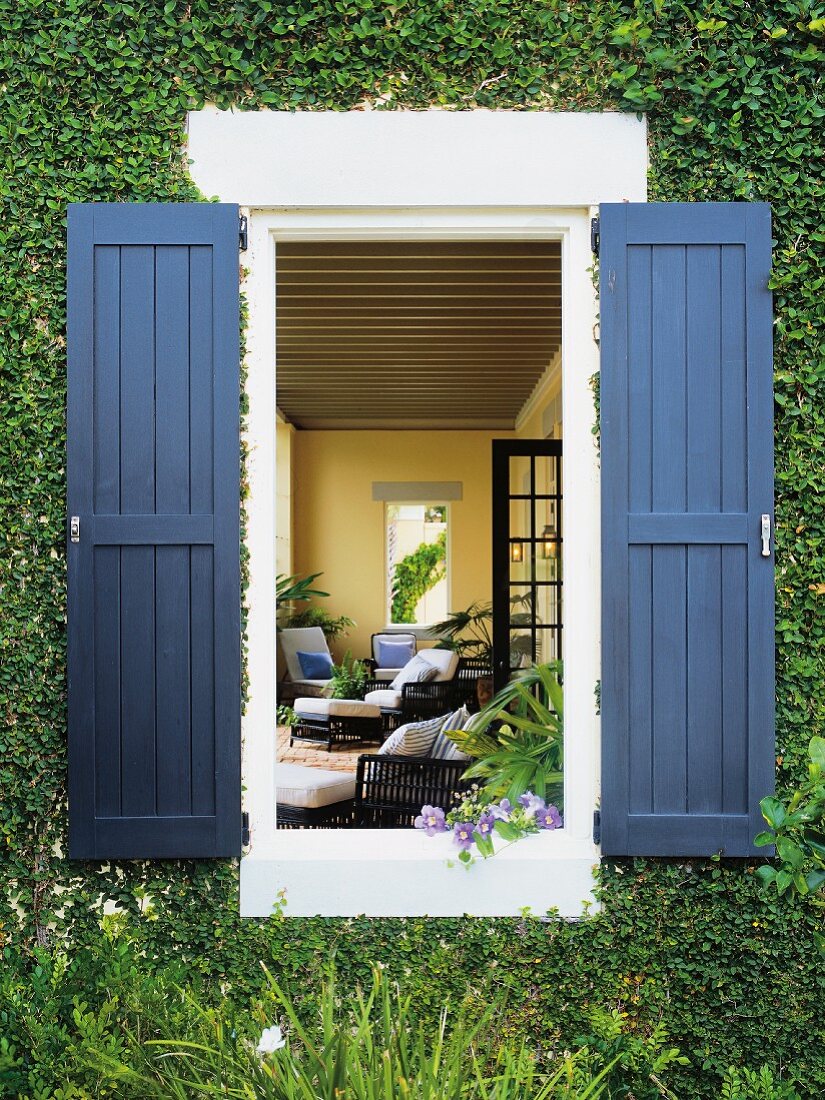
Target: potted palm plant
[517,740]
[469,633]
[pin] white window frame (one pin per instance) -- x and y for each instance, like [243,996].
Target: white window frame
[401,872]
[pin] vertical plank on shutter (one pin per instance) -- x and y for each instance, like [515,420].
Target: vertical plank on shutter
[640,380]
[201,383]
[201,389]
[106,434]
[640,489]
[761,593]
[172,464]
[137,380]
[203,681]
[704,495]
[735,686]
[704,679]
[734,386]
[137,648]
[640,665]
[669,380]
[106,559]
[172,611]
[137,496]
[669,679]
[172,379]
[107,680]
[614,382]
[80,330]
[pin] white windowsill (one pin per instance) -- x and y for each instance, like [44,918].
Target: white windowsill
[404,873]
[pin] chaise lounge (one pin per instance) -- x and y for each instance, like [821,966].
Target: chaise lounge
[304,650]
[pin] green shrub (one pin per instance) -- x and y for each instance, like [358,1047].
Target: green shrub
[748,1084]
[348,679]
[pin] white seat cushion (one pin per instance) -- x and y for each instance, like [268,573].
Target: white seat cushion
[312,788]
[386,698]
[386,675]
[335,708]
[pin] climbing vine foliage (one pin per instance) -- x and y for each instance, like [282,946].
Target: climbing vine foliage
[94,98]
[415,575]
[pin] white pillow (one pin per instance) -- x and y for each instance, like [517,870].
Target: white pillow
[416,671]
[414,738]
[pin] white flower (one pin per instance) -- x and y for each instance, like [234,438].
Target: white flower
[272,1039]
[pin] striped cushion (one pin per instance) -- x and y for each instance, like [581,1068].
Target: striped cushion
[414,738]
[445,749]
[416,671]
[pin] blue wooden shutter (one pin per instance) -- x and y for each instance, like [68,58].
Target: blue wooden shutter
[687,473]
[154,588]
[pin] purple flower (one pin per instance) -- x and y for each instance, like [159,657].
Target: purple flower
[463,834]
[485,824]
[548,817]
[531,802]
[500,811]
[431,820]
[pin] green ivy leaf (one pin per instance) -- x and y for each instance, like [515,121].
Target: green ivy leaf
[773,811]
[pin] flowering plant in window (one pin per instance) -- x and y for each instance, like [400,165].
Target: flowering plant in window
[476,821]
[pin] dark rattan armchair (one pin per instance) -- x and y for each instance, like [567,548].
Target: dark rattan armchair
[390,790]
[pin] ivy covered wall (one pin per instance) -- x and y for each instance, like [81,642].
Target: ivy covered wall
[94,98]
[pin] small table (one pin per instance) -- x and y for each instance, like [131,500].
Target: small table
[336,722]
[313,798]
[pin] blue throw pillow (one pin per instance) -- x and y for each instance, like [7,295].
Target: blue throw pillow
[395,654]
[315,666]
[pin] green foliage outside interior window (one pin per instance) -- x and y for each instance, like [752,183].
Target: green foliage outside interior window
[415,575]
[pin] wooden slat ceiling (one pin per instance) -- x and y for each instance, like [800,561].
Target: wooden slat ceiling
[414,334]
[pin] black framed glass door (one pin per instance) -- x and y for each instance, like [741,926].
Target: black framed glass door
[527,554]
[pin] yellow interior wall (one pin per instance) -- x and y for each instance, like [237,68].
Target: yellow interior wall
[533,426]
[338,529]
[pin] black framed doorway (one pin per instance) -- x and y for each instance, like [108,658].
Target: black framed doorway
[527,554]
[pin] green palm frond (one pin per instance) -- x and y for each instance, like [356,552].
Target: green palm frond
[527,751]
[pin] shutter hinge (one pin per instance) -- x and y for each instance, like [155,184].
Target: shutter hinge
[245,829]
[597,826]
[595,235]
[243,233]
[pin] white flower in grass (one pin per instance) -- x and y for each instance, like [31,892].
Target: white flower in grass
[271,1040]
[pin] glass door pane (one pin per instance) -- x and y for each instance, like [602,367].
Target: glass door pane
[527,554]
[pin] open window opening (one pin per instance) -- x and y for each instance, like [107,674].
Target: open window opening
[419,516]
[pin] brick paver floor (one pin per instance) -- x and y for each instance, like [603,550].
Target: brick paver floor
[303,752]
